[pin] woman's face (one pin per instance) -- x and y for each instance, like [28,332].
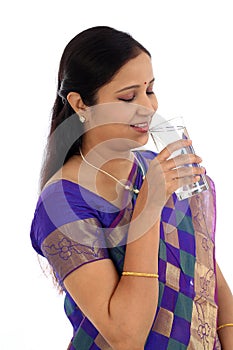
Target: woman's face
[125,105]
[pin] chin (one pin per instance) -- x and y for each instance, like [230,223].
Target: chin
[143,139]
[139,142]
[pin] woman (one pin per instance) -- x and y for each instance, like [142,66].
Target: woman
[136,265]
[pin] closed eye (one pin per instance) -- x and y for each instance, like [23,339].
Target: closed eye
[127,99]
[133,97]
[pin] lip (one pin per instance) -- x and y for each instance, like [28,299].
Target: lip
[140,127]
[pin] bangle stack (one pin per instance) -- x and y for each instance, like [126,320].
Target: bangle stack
[225,325]
[140,274]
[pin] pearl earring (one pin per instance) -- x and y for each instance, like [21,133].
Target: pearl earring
[82,118]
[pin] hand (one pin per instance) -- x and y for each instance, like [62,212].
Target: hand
[165,175]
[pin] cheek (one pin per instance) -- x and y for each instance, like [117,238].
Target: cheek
[117,132]
[112,131]
[112,113]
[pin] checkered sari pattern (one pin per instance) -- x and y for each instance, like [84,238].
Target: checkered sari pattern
[187,309]
[171,328]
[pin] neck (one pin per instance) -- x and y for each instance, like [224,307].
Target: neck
[108,158]
[127,186]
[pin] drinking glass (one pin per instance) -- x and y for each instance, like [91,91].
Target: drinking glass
[167,132]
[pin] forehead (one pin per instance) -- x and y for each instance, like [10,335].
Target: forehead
[136,70]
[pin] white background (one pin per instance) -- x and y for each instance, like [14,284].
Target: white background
[191,46]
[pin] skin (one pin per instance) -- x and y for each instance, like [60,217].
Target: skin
[225,311]
[124,307]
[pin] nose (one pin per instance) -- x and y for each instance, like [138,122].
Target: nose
[147,105]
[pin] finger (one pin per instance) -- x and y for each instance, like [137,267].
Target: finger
[185,172]
[172,147]
[183,159]
[180,182]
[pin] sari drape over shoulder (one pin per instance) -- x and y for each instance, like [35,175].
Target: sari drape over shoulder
[73,226]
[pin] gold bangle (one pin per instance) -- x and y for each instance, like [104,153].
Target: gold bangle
[140,274]
[225,325]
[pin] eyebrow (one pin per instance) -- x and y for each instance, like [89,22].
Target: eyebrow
[134,86]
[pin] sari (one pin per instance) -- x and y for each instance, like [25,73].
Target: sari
[73,226]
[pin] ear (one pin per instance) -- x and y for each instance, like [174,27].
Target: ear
[76,102]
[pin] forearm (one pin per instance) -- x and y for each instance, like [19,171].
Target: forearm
[137,296]
[225,312]
[132,311]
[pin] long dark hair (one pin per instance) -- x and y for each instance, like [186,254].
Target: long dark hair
[89,61]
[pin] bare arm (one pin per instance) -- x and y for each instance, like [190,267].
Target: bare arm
[123,308]
[225,311]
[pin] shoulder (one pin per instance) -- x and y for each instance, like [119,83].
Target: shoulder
[60,203]
[65,195]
